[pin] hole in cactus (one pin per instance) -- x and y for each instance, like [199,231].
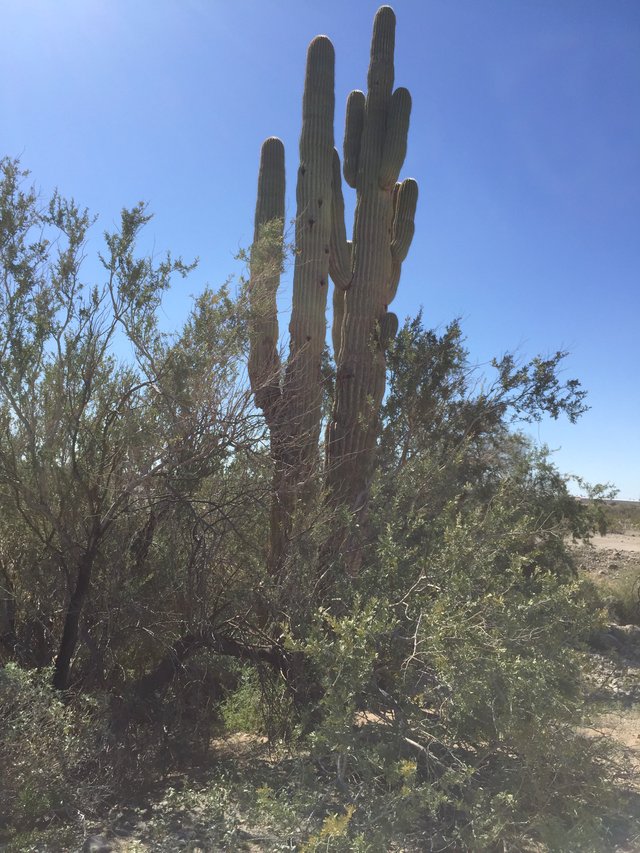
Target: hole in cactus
[311,223]
[319,202]
[308,338]
[322,282]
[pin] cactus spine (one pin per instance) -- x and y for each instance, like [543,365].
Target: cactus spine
[365,273]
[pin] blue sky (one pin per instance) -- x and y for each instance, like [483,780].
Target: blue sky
[525,140]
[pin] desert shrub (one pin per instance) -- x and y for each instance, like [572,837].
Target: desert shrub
[621,596]
[622,516]
[51,751]
[241,709]
[451,687]
[259,703]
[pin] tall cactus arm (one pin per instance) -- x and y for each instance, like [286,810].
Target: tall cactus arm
[353,135]
[265,268]
[404,218]
[395,142]
[271,184]
[388,329]
[403,230]
[303,380]
[381,74]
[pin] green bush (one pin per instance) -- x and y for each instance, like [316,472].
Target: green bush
[50,751]
[241,709]
[259,704]
[622,597]
[622,516]
[451,687]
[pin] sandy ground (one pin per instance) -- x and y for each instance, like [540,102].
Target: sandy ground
[629,542]
[608,558]
[624,726]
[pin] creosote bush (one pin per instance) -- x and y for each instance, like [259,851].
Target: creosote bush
[621,596]
[451,709]
[52,752]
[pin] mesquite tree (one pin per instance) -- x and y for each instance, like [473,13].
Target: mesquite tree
[365,272]
[108,465]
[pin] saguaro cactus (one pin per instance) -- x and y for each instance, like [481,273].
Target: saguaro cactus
[375,144]
[302,388]
[292,402]
[266,263]
[365,273]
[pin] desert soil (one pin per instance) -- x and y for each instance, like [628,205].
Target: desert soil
[614,682]
[628,542]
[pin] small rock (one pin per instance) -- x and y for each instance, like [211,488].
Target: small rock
[96,844]
[606,641]
[187,834]
[626,634]
[125,829]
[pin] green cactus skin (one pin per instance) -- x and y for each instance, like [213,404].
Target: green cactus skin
[292,405]
[303,381]
[264,361]
[388,329]
[353,135]
[381,237]
[365,273]
[405,200]
[301,389]
[395,142]
[266,262]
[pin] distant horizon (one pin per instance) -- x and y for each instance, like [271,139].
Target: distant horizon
[524,139]
[609,500]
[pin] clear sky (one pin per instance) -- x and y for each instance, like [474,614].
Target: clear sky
[524,138]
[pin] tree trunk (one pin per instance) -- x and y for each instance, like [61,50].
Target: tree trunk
[62,666]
